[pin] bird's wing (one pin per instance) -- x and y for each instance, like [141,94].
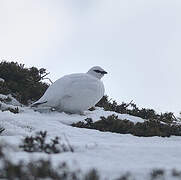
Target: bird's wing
[38,103]
[63,87]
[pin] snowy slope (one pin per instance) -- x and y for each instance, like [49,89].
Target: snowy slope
[110,153]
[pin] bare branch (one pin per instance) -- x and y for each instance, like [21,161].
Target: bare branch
[44,75]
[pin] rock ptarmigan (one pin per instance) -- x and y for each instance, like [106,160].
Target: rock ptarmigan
[74,93]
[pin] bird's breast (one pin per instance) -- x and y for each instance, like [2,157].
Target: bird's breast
[83,96]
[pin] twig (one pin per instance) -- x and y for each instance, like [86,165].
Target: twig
[1,129]
[174,117]
[42,77]
[129,103]
[110,100]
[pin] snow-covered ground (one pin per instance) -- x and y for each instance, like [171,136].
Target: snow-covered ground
[111,154]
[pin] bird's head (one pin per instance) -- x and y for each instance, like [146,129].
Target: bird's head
[97,72]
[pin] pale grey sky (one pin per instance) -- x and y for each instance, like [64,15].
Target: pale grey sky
[137,41]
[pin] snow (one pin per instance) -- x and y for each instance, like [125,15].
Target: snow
[29,120]
[13,103]
[111,154]
[2,80]
[2,96]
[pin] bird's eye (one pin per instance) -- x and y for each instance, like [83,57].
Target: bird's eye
[102,72]
[97,71]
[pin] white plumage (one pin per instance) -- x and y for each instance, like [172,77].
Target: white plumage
[74,93]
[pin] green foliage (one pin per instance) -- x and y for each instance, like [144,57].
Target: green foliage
[40,169]
[36,170]
[92,175]
[5,100]
[23,83]
[126,176]
[133,110]
[157,174]
[176,173]
[156,128]
[38,144]
[13,110]
[147,128]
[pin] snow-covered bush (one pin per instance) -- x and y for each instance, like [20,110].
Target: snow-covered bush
[147,128]
[44,169]
[132,109]
[8,103]
[38,144]
[40,169]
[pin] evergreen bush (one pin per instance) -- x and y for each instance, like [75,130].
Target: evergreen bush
[25,84]
[132,109]
[145,129]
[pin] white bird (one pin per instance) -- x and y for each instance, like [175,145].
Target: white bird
[74,93]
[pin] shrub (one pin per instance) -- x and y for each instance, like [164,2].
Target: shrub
[44,169]
[132,109]
[157,174]
[5,100]
[147,128]
[38,144]
[25,84]
[92,175]
[40,169]
[13,110]
[126,176]
[176,173]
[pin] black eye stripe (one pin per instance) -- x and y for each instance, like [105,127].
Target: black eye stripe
[102,72]
[98,71]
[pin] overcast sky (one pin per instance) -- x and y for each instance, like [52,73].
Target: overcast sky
[137,41]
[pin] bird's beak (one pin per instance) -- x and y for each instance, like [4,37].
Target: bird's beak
[104,72]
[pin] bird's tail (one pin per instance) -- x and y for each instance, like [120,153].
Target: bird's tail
[38,103]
